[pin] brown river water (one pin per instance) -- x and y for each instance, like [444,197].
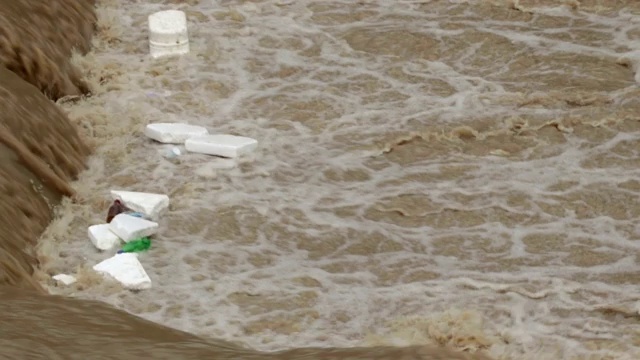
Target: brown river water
[441,179]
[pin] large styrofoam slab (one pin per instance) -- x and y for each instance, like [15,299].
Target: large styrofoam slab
[127,270]
[129,227]
[102,237]
[224,145]
[168,34]
[152,205]
[173,133]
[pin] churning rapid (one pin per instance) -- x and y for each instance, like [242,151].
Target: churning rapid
[434,179]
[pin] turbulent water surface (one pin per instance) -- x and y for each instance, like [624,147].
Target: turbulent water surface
[458,173]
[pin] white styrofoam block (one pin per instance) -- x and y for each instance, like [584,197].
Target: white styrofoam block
[168,34]
[129,227]
[152,205]
[102,237]
[229,146]
[65,279]
[173,133]
[127,270]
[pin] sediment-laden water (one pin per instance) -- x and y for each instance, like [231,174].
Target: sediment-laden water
[456,173]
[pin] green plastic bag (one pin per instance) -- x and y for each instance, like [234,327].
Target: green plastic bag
[137,245]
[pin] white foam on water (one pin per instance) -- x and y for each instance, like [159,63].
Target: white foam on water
[311,241]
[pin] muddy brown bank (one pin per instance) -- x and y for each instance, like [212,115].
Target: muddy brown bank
[41,152]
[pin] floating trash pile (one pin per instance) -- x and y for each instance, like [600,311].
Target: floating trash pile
[133,217]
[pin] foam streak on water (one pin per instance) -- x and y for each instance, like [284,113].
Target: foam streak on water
[428,171]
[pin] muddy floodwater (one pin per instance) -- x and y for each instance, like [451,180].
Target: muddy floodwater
[439,179]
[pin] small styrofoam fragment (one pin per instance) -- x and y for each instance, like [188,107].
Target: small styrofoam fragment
[127,270]
[152,205]
[102,237]
[173,133]
[173,152]
[65,279]
[229,146]
[129,227]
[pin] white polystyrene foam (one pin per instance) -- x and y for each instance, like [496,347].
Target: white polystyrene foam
[65,279]
[102,237]
[173,133]
[126,269]
[168,33]
[224,145]
[150,204]
[129,227]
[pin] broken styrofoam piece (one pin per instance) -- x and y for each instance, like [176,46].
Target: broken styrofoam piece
[168,34]
[129,227]
[102,237]
[127,270]
[65,279]
[152,205]
[173,133]
[229,146]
